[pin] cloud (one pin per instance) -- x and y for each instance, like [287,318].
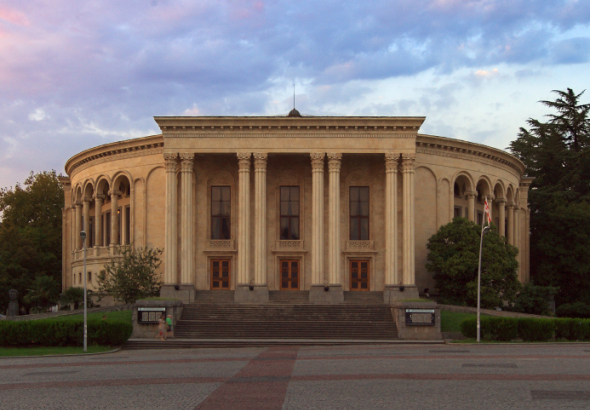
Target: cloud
[37,115]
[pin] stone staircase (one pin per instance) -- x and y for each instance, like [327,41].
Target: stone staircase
[214,320]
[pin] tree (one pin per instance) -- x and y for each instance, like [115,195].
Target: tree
[132,276]
[557,154]
[30,234]
[73,296]
[453,258]
[43,294]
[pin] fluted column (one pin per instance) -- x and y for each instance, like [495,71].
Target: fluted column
[471,205]
[510,228]
[186,216]
[334,164]
[317,218]
[408,215]
[86,213]
[502,216]
[391,161]
[171,239]
[260,214]
[77,239]
[244,218]
[114,217]
[98,198]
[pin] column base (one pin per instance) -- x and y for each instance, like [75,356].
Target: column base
[394,293]
[184,293]
[251,294]
[326,295]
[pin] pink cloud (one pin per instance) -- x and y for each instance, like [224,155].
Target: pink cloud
[13,16]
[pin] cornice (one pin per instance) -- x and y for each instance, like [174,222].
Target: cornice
[448,147]
[153,144]
[274,134]
[182,125]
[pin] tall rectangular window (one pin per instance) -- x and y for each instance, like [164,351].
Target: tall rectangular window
[290,212]
[119,222]
[107,228]
[90,232]
[220,212]
[359,213]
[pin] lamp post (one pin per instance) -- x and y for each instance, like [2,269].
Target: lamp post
[483,232]
[83,237]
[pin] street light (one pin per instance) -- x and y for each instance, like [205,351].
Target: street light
[83,237]
[483,232]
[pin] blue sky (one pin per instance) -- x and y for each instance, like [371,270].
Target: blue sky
[76,74]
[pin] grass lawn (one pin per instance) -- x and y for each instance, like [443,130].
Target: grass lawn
[451,321]
[124,315]
[40,351]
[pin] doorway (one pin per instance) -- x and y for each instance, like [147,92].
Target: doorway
[289,274]
[359,275]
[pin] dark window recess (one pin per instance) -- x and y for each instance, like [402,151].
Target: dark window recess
[458,212]
[90,240]
[127,225]
[107,228]
[220,212]
[457,190]
[359,213]
[290,212]
[479,217]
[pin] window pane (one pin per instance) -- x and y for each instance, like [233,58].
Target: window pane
[364,235]
[215,208]
[215,228]
[284,208]
[354,209]
[285,193]
[364,211]
[294,208]
[284,228]
[364,193]
[225,231]
[225,209]
[225,193]
[354,229]
[215,193]
[294,228]
[354,193]
[295,193]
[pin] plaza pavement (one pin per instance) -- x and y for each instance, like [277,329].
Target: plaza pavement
[522,376]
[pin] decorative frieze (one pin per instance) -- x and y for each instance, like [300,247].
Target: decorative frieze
[289,244]
[221,244]
[360,245]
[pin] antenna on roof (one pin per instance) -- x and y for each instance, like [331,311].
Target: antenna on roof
[293,93]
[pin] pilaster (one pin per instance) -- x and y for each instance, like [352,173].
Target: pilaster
[471,195]
[502,216]
[409,281]
[317,218]
[391,164]
[171,240]
[260,160]
[244,219]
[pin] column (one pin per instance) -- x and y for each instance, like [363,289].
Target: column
[391,161]
[86,213]
[490,204]
[260,215]
[77,239]
[171,244]
[510,228]
[408,215]
[244,218]
[317,218]
[334,164]
[186,218]
[471,205]
[114,217]
[502,216]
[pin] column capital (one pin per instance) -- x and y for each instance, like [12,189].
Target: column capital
[260,160]
[334,161]
[391,161]
[170,156]
[510,204]
[99,196]
[78,203]
[244,160]
[471,194]
[114,192]
[87,199]
[491,197]
[317,160]
[408,162]
[501,201]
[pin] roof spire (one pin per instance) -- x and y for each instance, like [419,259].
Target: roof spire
[294,112]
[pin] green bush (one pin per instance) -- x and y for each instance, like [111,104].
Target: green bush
[534,299]
[575,310]
[572,329]
[492,328]
[535,330]
[64,333]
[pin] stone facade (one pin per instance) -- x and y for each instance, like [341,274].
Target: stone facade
[239,202]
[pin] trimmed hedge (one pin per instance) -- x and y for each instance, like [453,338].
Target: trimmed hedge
[575,310]
[64,333]
[527,329]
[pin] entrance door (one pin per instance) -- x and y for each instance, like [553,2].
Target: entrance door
[359,275]
[220,274]
[289,274]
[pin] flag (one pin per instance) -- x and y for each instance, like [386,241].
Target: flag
[487,210]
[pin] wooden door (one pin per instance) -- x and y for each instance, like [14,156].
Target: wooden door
[359,275]
[220,274]
[289,274]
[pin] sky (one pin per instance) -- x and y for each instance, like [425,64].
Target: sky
[77,74]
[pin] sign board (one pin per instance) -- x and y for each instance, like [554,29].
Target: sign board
[149,314]
[420,317]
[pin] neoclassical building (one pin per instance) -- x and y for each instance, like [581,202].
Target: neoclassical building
[318,204]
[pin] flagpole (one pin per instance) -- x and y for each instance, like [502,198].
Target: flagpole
[484,230]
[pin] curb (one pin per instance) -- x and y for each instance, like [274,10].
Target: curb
[61,355]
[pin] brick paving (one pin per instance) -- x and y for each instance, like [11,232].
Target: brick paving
[541,376]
